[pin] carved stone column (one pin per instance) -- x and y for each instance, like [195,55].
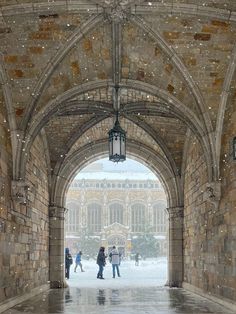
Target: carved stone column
[20,192]
[56,247]
[212,193]
[126,207]
[175,246]
[105,210]
[83,209]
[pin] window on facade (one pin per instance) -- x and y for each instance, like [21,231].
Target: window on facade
[116,213]
[138,217]
[159,217]
[94,217]
[116,240]
[72,217]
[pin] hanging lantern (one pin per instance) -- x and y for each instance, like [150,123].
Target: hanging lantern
[117,142]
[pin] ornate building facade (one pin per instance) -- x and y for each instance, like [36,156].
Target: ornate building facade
[116,209]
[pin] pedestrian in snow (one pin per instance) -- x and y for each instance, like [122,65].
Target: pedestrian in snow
[136,259]
[68,263]
[78,261]
[101,261]
[115,261]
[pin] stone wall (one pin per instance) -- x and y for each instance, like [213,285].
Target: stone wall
[195,217]
[6,236]
[209,241]
[226,217]
[24,230]
[37,178]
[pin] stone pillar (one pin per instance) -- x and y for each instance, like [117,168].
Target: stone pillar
[175,246]
[56,247]
[105,214]
[149,207]
[126,208]
[83,211]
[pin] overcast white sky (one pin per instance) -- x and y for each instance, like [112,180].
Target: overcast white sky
[130,167]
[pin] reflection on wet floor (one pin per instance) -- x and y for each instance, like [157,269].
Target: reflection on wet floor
[138,300]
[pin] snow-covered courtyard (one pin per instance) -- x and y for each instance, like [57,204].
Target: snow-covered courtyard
[149,273]
[139,290]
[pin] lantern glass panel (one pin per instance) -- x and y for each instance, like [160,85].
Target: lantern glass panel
[116,145]
[122,146]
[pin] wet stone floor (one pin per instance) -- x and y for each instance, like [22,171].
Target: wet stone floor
[143,300]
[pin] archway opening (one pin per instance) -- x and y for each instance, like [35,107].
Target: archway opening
[122,205]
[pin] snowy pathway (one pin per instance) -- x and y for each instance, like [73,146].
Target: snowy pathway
[149,273]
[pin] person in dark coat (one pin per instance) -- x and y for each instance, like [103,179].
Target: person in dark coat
[137,256]
[68,263]
[101,261]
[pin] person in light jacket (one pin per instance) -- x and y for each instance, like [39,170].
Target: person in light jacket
[115,261]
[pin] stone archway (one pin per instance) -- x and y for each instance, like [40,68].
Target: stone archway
[175,210]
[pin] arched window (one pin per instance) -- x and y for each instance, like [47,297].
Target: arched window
[94,217]
[160,217]
[116,213]
[72,217]
[138,218]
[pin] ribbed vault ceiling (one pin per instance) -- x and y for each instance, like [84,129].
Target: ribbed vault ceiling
[64,59]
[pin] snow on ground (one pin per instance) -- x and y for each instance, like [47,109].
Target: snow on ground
[149,273]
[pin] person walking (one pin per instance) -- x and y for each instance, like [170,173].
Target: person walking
[68,263]
[101,261]
[136,259]
[115,261]
[78,262]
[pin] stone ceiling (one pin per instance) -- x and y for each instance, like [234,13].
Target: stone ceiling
[62,62]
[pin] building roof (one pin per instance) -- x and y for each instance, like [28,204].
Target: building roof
[105,169]
[131,176]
